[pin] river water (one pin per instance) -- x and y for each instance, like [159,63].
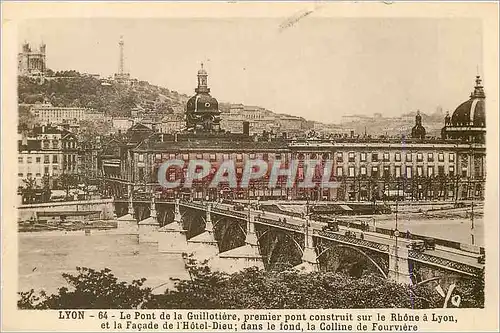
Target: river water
[44,256]
[457,229]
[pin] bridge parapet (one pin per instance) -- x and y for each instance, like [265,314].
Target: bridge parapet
[283,225]
[194,205]
[352,240]
[238,214]
[443,262]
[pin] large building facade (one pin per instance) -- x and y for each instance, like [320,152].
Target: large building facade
[364,169]
[48,114]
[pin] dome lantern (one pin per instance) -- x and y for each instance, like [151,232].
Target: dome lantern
[478,89]
[202,81]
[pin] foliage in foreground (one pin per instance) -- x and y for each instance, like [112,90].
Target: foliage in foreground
[249,289]
[91,289]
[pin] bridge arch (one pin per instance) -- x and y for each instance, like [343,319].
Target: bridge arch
[229,233]
[377,266]
[218,220]
[297,245]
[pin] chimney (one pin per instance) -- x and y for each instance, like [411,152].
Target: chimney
[352,134]
[246,128]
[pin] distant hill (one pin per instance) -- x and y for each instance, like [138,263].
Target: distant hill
[395,126]
[71,88]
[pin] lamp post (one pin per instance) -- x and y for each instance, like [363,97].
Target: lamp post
[471,182]
[306,223]
[396,235]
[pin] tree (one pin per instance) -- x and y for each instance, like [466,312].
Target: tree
[91,289]
[46,188]
[85,180]
[249,289]
[28,190]
[67,181]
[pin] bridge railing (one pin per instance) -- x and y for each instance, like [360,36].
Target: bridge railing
[427,258]
[279,224]
[352,240]
[193,204]
[230,212]
[357,224]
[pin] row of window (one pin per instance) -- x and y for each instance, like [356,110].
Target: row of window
[212,157]
[363,157]
[352,172]
[46,144]
[55,144]
[375,171]
[351,157]
[38,174]
[46,159]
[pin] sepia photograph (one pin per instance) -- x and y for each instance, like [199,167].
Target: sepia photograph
[302,161]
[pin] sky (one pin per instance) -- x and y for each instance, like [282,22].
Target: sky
[319,68]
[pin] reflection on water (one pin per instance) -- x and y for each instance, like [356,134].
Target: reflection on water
[43,257]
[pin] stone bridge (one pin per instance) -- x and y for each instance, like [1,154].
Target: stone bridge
[231,240]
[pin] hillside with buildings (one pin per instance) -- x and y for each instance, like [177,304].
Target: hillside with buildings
[131,102]
[72,89]
[393,126]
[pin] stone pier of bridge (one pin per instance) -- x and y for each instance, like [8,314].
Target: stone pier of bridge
[242,257]
[204,247]
[127,223]
[398,263]
[309,257]
[172,237]
[148,228]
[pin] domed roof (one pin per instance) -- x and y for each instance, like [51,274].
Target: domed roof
[471,112]
[202,102]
